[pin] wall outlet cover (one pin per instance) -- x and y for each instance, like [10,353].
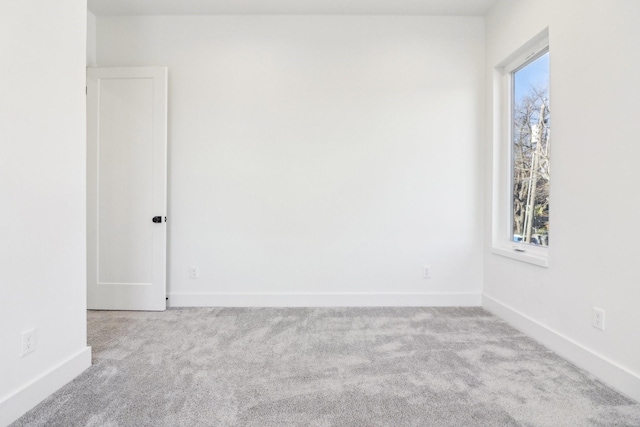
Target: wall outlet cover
[597,318]
[426,272]
[194,272]
[28,341]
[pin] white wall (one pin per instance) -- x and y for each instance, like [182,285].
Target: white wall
[42,188]
[594,249]
[318,155]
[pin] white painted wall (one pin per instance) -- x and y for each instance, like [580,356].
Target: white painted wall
[594,248]
[91,39]
[318,155]
[42,188]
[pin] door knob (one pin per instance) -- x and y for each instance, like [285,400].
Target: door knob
[157,219]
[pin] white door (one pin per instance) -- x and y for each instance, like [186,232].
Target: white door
[126,188]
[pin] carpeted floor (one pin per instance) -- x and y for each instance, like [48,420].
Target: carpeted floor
[325,367]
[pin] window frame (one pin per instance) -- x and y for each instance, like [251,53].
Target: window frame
[502,217]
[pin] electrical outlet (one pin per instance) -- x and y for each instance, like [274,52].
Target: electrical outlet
[28,341]
[194,272]
[597,318]
[426,272]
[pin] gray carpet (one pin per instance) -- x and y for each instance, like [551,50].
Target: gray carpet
[325,367]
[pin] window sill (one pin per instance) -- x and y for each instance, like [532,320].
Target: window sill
[540,260]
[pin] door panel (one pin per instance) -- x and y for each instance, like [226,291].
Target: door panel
[126,171]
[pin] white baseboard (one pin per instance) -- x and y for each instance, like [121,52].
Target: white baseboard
[601,367]
[24,399]
[324,299]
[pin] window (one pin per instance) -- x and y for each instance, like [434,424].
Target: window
[521,154]
[530,131]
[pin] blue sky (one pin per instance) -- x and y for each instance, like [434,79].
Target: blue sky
[534,74]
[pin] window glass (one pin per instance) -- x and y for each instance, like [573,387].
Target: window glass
[530,131]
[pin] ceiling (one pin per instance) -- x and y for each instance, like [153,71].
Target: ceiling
[291,7]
